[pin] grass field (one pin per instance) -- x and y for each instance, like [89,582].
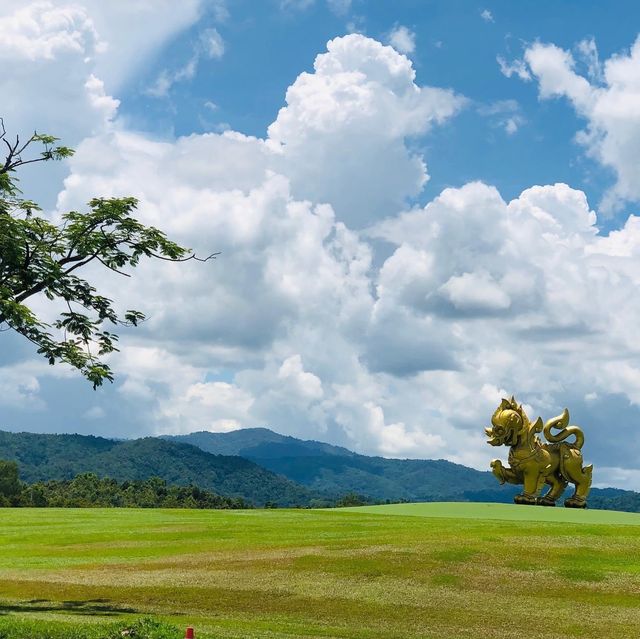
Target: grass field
[407,570]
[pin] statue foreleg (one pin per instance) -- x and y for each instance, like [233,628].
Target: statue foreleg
[504,474]
[531,488]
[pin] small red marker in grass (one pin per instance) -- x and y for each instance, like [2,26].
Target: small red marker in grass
[189,633]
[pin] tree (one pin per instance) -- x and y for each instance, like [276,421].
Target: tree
[10,486]
[40,257]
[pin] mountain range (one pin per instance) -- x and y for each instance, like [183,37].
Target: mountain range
[44,457]
[333,470]
[266,468]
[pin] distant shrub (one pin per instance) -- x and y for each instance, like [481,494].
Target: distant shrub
[146,628]
[352,499]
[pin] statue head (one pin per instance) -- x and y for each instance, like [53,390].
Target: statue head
[508,423]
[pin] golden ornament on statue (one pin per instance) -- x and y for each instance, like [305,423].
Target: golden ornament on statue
[535,463]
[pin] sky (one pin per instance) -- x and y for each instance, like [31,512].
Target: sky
[420,206]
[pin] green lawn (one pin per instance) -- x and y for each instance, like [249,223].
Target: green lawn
[407,570]
[458,510]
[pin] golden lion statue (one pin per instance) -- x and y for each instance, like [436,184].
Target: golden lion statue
[535,463]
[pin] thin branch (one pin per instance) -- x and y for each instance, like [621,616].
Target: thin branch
[186,259]
[20,162]
[27,143]
[112,268]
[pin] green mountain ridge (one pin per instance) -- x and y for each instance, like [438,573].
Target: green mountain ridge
[258,442]
[335,470]
[44,457]
[262,466]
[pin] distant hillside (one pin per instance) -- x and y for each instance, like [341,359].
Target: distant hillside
[262,466]
[335,470]
[260,443]
[44,457]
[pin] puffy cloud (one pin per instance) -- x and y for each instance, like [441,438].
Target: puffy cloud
[302,383]
[99,100]
[475,292]
[19,386]
[42,31]
[73,57]
[391,439]
[402,39]
[45,42]
[525,295]
[41,43]
[517,67]
[341,137]
[607,98]
[285,263]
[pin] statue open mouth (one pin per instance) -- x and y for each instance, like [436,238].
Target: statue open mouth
[495,439]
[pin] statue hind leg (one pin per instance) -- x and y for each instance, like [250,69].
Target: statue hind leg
[557,486]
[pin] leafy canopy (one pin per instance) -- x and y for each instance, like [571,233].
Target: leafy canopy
[40,257]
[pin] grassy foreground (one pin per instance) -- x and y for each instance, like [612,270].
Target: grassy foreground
[409,570]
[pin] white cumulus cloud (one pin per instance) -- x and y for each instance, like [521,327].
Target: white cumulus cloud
[342,136]
[606,96]
[402,39]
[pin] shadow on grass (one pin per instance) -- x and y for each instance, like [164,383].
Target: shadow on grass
[80,607]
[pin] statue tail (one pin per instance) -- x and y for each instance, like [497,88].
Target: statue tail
[562,422]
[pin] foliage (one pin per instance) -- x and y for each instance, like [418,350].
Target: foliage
[10,486]
[89,491]
[38,257]
[352,499]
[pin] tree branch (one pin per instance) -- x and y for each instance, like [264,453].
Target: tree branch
[186,259]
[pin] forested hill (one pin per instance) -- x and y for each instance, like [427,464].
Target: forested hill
[335,470]
[45,457]
[260,443]
[261,466]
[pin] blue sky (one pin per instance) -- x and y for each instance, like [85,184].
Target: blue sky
[267,45]
[421,207]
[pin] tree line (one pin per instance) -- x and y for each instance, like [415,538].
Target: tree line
[87,490]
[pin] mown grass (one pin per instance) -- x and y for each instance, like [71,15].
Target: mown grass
[425,570]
